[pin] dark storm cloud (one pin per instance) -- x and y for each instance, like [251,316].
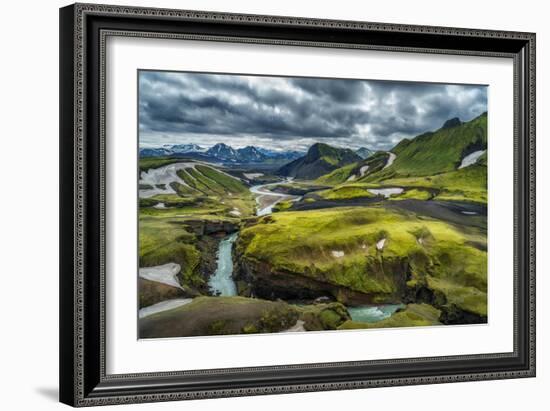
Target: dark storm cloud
[296,111]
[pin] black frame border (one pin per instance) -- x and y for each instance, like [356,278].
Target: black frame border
[83,32]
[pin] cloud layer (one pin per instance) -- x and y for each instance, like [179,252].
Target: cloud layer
[293,113]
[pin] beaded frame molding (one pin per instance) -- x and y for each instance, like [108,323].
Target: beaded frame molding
[84,29]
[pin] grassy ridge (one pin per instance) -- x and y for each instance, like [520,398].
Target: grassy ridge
[466,184]
[165,234]
[156,162]
[220,316]
[230,184]
[338,176]
[240,315]
[348,191]
[351,172]
[426,163]
[438,152]
[413,193]
[166,240]
[193,182]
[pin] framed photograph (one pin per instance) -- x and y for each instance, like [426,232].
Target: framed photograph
[261,204]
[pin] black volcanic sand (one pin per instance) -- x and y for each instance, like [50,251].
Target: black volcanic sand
[450,211]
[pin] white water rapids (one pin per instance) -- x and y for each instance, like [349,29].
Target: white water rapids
[222,283]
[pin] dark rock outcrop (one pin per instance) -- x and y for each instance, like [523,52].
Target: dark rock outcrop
[452,122]
[152,292]
[211,227]
[324,316]
[452,315]
[263,281]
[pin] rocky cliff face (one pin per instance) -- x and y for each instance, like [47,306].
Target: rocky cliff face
[264,281]
[211,227]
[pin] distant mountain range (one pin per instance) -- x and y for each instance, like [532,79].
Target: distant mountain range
[319,160]
[221,153]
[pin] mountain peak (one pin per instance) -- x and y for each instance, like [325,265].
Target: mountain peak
[319,147]
[320,159]
[249,148]
[452,122]
[364,152]
[221,145]
[222,151]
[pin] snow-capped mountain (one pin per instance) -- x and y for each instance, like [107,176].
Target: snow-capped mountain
[155,152]
[221,152]
[187,148]
[250,154]
[288,155]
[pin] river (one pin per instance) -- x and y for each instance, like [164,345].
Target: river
[221,283]
[373,313]
[266,199]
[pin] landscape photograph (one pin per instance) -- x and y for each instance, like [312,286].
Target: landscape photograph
[272,204]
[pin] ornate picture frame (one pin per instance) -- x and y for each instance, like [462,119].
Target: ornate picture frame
[84,29]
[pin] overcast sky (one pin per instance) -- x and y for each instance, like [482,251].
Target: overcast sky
[293,113]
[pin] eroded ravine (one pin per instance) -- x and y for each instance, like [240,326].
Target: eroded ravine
[222,283]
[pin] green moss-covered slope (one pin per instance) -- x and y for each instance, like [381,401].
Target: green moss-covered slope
[220,316]
[319,160]
[436,152]
[362,255]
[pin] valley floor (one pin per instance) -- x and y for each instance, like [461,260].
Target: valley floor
[259,255]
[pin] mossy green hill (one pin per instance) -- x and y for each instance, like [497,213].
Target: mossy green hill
[146,163]
[320,159]
[428,154]
[436,152]
[240,315]
[366,255]
[209,203]
[427,164]
[355,171]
